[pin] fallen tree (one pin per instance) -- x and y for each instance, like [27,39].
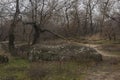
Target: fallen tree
[38,31]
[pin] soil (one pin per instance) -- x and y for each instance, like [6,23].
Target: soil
[109,69]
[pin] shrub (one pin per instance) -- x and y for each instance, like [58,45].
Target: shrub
[3,59]
[67,53]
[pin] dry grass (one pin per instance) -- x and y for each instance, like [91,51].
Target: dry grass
[21,69]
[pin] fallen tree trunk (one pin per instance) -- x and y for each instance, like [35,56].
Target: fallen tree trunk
[38,31]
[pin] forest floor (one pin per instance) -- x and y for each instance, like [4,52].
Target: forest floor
[108,69]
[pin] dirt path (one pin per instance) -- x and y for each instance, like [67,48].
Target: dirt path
[104,53]
[96,46]
[109,69]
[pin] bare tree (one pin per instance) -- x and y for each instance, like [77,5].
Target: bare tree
[12,28]
[104,11]
[41,14]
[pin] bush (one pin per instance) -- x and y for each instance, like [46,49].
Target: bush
[97,57]
[46,55]
[69,52]
[3,59]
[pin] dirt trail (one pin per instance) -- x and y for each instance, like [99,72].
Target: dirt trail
[96,46]
[109,69]
[104,53]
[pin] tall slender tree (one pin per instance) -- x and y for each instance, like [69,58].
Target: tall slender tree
[11,44]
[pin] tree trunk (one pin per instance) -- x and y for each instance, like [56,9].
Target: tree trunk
[11,30]
[36,34]
[11,42]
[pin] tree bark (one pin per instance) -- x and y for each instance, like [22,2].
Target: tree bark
[36,34]
[11,44]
